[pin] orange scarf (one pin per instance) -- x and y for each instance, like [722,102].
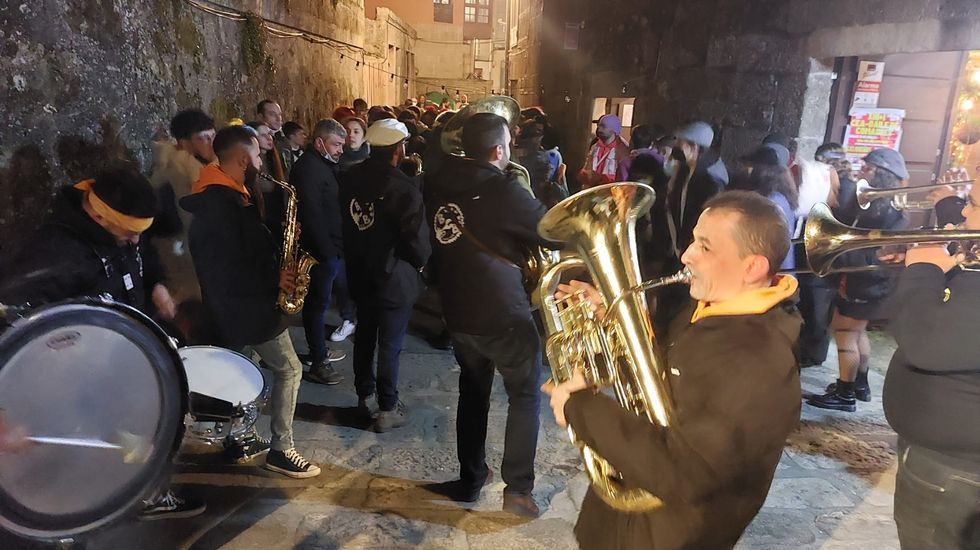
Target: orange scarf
[213,175]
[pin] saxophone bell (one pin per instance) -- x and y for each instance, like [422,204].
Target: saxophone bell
[294,259]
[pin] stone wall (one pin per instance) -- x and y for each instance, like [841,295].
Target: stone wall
[749,68]
[83,82]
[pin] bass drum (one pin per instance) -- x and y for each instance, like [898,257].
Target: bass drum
[93,372]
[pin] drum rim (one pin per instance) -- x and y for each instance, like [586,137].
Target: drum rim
[179,397]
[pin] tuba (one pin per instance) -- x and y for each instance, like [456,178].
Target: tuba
[293,259]
[619,350]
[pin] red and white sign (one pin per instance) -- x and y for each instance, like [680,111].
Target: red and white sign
[868,88]
[870,129]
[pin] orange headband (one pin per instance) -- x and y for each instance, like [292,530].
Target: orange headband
[111,215]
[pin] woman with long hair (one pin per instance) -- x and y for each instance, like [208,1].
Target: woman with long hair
[768,176]
[860,295]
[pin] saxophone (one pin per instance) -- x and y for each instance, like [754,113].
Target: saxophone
[619,349]
[293,259]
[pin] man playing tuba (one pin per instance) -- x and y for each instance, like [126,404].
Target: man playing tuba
[733,376]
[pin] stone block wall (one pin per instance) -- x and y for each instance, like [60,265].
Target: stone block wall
[83,82]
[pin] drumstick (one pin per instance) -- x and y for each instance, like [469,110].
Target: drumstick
[133,447]
[73,442]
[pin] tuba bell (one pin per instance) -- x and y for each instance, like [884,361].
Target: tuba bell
[619,350]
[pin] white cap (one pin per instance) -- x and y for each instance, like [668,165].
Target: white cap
[386,132]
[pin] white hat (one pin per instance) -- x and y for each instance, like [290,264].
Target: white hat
[386,132]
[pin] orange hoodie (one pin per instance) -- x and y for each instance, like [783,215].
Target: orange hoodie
[213,175]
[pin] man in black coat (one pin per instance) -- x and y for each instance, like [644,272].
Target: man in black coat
[733,385]
[484,224]
[235,260]
[387,243]
[932,396]
[93,246]
[315,178]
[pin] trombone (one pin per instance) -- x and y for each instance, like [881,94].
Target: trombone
[900,195]
[825,239]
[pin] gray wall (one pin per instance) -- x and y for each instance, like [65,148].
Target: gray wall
[749,68]
[85,81]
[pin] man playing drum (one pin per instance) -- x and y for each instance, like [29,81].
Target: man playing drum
[92,247]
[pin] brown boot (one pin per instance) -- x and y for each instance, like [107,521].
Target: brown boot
[522,505]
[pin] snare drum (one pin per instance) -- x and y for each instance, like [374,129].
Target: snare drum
[227,391]
[88,371]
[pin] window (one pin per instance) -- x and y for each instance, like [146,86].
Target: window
[442,11]
[477,11]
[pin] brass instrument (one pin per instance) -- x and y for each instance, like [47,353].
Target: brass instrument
[900,195]
[825,239]
[293,259]
[619,350]
[452,133]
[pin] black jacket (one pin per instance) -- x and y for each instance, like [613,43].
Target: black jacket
[235,260]
[706,182]
[736,394]
[932,389]
[876,285]
[483,226]
[386,237]
[73,256]
[317,187]
[847,205]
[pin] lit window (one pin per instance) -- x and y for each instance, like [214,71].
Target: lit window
[474,12]
[469,14]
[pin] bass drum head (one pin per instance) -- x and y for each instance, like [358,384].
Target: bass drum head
[87,371]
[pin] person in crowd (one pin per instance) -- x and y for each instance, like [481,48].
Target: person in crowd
[387,242]
[768,176]
[529,153]
[606,153]
[550,142]
[411,102]
[360,108]
[317,188]
[428,118]
[93,245]
[236,261]
[265,191]
[732,375]
[356,149]
[281,159]
[934,378]
[862,295]
[296,138]
[407,115]
[643,155]
[817,294]
[476,247]
[176,166]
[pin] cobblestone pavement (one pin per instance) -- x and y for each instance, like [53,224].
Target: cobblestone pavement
[833,488]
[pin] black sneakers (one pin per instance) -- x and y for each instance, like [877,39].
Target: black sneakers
[389,420]
[248,449]
[862,392]
[459,490]
[167,505]
[290,463]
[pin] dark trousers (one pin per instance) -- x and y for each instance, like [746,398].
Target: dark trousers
[937,500]
[516,353]
[383,328]
[816,308]
[325,277]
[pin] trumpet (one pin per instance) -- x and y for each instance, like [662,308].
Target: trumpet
[900,195]
[825,239]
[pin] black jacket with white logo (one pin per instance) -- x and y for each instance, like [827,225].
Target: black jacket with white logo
[386,238]
[484,225]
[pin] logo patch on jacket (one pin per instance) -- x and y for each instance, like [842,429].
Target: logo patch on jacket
[448,223]
[363,216]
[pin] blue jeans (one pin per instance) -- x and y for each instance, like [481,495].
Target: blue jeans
[325,277]
[384,328]
[516,353]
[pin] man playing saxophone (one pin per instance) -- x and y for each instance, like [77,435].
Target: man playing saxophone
[235,260]
[733,377]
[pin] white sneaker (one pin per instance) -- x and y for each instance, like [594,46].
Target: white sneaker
[343,331]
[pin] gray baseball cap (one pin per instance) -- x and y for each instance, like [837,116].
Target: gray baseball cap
[698,133]
[888,159]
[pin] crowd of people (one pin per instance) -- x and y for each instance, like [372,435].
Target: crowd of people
[384,211]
